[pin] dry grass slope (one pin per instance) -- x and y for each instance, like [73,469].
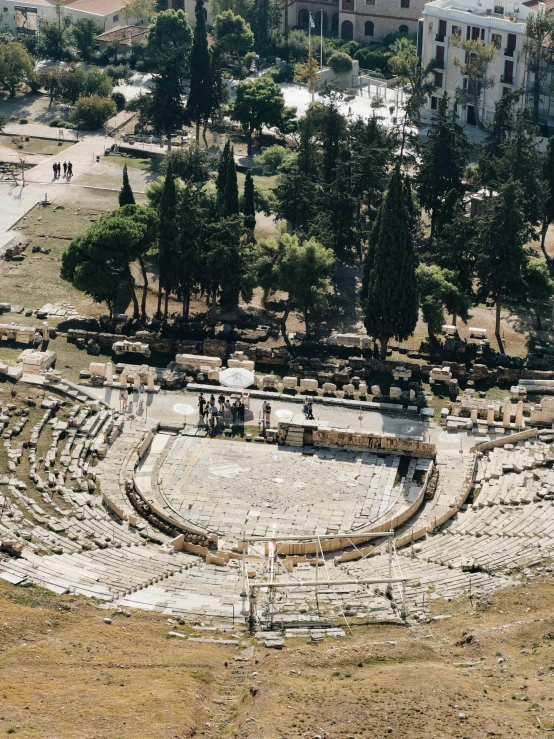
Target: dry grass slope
[64,673]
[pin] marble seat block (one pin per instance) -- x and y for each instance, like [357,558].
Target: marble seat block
[308,384]
[290,383]
[329,387]
[395,392]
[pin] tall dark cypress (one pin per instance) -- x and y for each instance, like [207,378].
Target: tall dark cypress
[222,166]
[249,208]
[231,197]
[126,196]
[389,288]
[199,103]
[167,236]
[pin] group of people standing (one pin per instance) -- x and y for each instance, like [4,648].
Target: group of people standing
[209,411]
[67,170]
[136,396]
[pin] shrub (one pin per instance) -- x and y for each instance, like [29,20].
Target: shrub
[92,112]
[54,122]
[373,60]
[119,100]
[23,120]
[119,72]
[247,59]
[340,62]
[274,158]
[351,47]
[390,38]
[283,72]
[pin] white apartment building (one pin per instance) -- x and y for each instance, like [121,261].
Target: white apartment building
[497,22]
[26,17]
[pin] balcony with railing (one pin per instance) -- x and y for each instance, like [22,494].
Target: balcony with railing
[440,38]
[509,52]
[507,79]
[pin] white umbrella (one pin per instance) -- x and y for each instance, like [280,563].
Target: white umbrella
[183,409]
[237,377]
[283,413]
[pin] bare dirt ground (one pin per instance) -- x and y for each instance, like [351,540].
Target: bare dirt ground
[66,673]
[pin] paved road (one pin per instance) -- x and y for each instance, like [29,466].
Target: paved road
[178,406]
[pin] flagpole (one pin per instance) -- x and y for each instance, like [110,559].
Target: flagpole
[321,33]
[310,81]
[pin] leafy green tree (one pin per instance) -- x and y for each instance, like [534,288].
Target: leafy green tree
[501,257]
[237,7]
[199,103]
[168,51]
[85,34]
[97,82]
[100,260]
[389,285]
[539,285]
[438,291]
[233,33]
[496,134]
[51,80]
[548,177]
[126,196]
[224,263]
[417,81]
[474,65]
[443,160]
[520,162]
[249,206]
[191,163]
[140,11]
[260,103]
[16,67]
[296,198]
[539,55]
[55,35]
[265,19]
[231,194]
[73,82]
[91,113]
[300,270]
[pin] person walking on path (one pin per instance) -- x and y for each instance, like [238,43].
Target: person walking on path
[267,415]
[55,169]
[305,407]
[201,403]
[241,412]
[65,169]
[221,401]
[69,170]
[124,399]
[228,413]
[310,414]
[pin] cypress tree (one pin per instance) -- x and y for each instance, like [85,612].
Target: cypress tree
[231,195]
[249,208]
[126,196]
[443,160]
[389,286]
[548,176]
[199,103]
[222,166]
[167,236]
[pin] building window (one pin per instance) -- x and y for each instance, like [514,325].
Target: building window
[438,79]
[403,29]
[496,40]
[369,29]
[434,103]
[370,2]
[499,10]
[115,18]
[456,30]
[404,3]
